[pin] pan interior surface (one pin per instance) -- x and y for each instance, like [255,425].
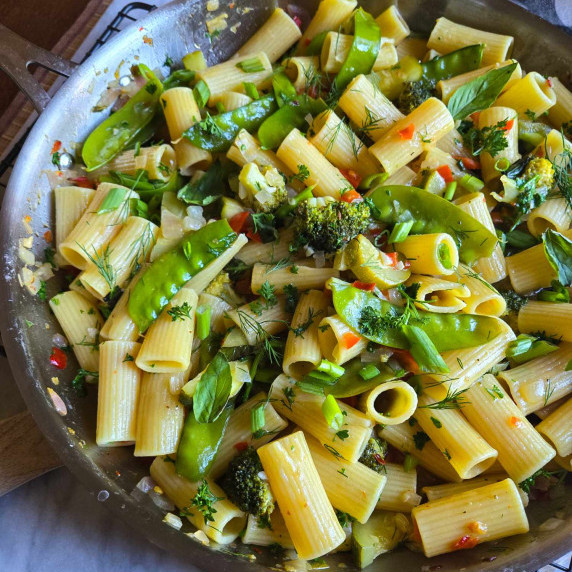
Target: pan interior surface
[174,31]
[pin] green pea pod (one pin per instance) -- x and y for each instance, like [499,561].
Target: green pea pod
[431,214]
[315,46]
[454,63]
[291,115]
[217,133]
[121,128]
[363,52]
[199,445]
[351,383]
[284,90]
[145,188]
[168,273]
[446,331]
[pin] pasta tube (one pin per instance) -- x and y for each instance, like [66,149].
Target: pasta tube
[302,277]
[338,342]
[390,403]
[531,93]
[430,253]
[400,491]
[557,428]
[71,203]
[553,318]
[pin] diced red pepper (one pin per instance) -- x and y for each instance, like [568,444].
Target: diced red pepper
[446,173]
[297,21]
[307,41]
[349,340]
[367,286]
[83,182]
[254,236]
[470,163]
[508,125]
[238,221]
[58,358]
[56,146]
[475,116]
[515,422]
[350,196]
[353,177]
[241,446]
[408,132]
[394,258]
[48,236]
[406,360]
[465,542]
[549,82]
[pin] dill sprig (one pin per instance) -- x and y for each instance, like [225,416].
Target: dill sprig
[101,262]
[140,248]
[562,165]
[249,323]
[180,312]
[453,400]
[301,329]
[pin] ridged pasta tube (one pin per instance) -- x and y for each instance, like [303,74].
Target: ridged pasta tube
[531,93]
[553,318]
[435,253]
[392,25]
[400,491]
[557,428]
[71,203]
[338,341]
[390,403]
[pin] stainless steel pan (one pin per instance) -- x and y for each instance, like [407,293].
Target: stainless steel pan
[175,30]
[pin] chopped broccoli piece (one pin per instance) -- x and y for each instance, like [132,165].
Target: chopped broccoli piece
[326,224]
[244,486]
[218,286]
[373,455]
[541,167]
[414,93]
[262,190]
[514,302]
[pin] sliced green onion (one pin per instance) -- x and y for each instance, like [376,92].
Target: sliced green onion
[471,183]
[220,107]
[450,190]
[501,238]
[520,239]
[424,351]
[257,419]
[310,387]
[526,347]
[332,369]
[321,377]
[202,93]
[250,90]
[251,65]
[332,413]
[291,205]
[368,372]
[195,61]
[373,180]
[444,255]
[112,200]
[409,463]
[502,164]
[400,231]
[203,321]
[558,294]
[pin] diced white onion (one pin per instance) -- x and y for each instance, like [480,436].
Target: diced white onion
[194,219]
[146,484]
[173,520]
[319,259]
[59,341]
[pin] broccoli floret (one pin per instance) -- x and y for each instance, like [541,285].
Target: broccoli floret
[414,93]
[245,488]
[543,169]
[514,302]
[373,455]
[218,286]
[263,190]
[326,224]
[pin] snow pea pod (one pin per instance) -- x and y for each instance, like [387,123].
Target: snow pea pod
[145,187]
[170,271]
[454,63]
[216,133]
[432,214]
[447,331]
[122,127]
[352,383]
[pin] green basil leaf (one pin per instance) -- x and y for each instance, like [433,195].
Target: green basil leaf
[479,93]
[112,200]
[207,189]
[558,251]
[179,78]
[213,390]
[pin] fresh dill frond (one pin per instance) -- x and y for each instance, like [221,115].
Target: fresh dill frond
[453,400]
[180,312]
[102,263]
[299,331]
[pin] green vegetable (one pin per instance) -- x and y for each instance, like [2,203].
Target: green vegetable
[532,133]
[520,239]
[112,200]
[244,486]
[450,191]
[217,133]
[257,420]
[208,188]
[454,63]
[250,90]
[353,383]
[203,314]
[368,372]
[400,232]
[471,184]
[409,463]
[284,90]
[332,413]
[262,188]
[558,251]
[558,293]
[120,129]
[424,351]
[213,390]
[250,65]
[374,454]
[374,319]
[201,93]
[199,445]
[414,93]
[363,52]
[291,205]
[145,187]
[514,301]
[433,214]
[168,273]
[291,115]
[526,347]
[315,46]
[491,139]
[479,93]
[179,78]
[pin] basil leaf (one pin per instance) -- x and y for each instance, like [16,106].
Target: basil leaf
[479,93]
[213,390]
[558,252]
[112,200]
[207,189]
[179,78]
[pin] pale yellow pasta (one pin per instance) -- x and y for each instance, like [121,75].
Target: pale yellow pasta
[329,15]
[127,252]
[159,161]
[438,295]
[238,430]
[338,340]
[180,109]
[561,111]
[231,100]
[368,108]
[413,47]
[71,203]
[274,37]
[493,267]
[305,410]
[302,71]
[557,428]
[269,252]
[229,75]
[464,448]
[258,534]
[553,213]
[81,321]
[390,403]
[228,520]
[117,394]
[190,157]
[405,176]
[340,145]
[392,25]
[530,270]
[436,157]
[352,488]
[296,151]
[160,415]
[541,381]
[95,230]
[553,318]
[431,120]
[448,36]
[564,462]
[77,286]
[409,438]
[168,342]
[302,352]
[482,514]
[303,277]
[554,145]
[434,253]
[531,93]
[452,143]
[447,87]
[468,364]
[544,412]
[310,519]
[507,156]
[400,491]
[491,411]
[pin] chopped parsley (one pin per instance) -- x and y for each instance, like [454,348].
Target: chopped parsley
[180,312]
[420,438]
[490,139]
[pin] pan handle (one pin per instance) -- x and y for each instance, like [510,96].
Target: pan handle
[16,54]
